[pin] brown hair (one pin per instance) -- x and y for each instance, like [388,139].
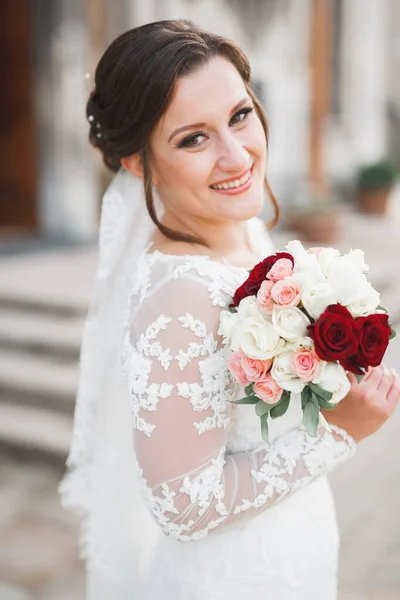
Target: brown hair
[134,84]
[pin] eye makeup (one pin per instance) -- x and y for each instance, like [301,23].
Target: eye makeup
[187,141]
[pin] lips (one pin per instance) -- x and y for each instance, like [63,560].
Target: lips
[233,183]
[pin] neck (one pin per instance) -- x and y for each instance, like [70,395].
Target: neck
[222,238]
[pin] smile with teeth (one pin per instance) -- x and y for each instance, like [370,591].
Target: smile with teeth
[233,184]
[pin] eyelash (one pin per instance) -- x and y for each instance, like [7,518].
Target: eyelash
[186,142]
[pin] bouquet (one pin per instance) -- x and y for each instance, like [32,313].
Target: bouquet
[300,322]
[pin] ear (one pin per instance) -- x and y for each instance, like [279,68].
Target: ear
[133,164]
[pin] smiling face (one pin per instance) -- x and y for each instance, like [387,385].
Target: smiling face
[208,151]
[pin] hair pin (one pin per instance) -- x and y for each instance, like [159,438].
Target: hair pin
[86,78]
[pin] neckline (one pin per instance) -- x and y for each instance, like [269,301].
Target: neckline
[223,262]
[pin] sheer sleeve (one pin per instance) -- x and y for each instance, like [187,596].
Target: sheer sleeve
[176,368]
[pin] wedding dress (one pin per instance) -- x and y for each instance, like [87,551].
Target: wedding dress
[179,498]
[239,518]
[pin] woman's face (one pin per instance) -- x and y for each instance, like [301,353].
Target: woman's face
[209,149]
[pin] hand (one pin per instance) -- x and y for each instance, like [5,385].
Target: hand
[368,405]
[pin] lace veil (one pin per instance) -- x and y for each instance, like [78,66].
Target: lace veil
[102,482]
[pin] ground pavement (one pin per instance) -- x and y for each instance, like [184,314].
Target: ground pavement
[38,550]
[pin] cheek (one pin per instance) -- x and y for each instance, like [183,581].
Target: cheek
[255,140]
[184,171]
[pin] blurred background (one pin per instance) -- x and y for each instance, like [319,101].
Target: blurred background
[327,72]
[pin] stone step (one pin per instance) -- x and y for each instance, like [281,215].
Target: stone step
[58,282]
[38,381]
[40,304]
[11,592]
[40,333]
[35,431]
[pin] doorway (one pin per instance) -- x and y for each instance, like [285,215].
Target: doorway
[18,208]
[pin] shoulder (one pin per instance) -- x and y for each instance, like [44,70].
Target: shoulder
[184,276]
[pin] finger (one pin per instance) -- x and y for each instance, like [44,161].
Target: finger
[375,377]
[368,373]
[394,393]
[352,378]
[386,382]
[396,377]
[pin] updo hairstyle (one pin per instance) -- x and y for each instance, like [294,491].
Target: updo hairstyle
[134,84]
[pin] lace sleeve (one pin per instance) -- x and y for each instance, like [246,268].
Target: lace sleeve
[176,369]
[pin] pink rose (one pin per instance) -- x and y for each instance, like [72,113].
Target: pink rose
[286,293]
[235,367]
[254,369]
[306,364]
[281,269]
[268,390]
[264,296]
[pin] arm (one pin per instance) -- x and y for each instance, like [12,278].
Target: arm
[180,384]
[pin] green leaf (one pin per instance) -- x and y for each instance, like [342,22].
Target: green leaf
[393,333]
[262,408]
[311,417]
[320,393]
[264,428]
[359,377]
[280,409]
[246,400]
[305,396]
[322,403]
[285,396]
[381,308]
[249,390]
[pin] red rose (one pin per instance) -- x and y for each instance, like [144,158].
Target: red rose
[257,275]
[373,338]
[335,337]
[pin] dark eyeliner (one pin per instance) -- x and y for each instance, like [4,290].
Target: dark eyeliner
[243,111]
[184,142]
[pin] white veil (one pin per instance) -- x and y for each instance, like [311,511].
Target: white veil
[102,482]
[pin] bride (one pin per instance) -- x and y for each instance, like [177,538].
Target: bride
[180,498]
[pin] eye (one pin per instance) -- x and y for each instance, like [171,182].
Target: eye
[192,140]
[241,115]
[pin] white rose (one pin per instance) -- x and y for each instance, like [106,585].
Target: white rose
[316,298]
[316,295]
[254,333]
[247,307]
[300,343]
[227,320]
[347,283]
[357,258]
[333,378]
[365,306]
[299,253]
[325,258]
[290,322]
[284,375]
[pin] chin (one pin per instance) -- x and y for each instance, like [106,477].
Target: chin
[247,208]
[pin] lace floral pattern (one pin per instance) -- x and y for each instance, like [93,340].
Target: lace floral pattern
[180,387]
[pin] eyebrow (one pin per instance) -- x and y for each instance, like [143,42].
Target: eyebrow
[199,125]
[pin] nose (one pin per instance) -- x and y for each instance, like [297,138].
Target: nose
[233,156]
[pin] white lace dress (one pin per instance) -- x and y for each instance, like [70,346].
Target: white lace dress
[242,520]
